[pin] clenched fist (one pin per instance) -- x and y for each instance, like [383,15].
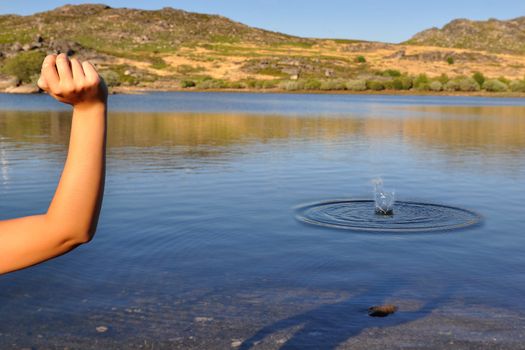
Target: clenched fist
[72,82]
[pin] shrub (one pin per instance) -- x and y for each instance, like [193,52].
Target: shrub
[211,84]
[402,83]
[421,82]
[187,84]
[436,86]
[360,59]
[443,79]
[394,73]
[268,84]
[24,66]
[158,63]
[236,85]
[332,85]
[452,85]
[356,85]
[312,84]
[375,85]
[110,77]
[468,84]
[479,78]
[292,85]
[450,60]
[517,86]
[504,80]
[494,85]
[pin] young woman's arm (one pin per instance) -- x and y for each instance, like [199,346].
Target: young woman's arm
[72,216]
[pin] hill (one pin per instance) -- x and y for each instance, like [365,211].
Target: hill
[173,49]
[492,35]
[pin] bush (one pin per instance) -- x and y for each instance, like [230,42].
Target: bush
[479,78]
[436,86]
[494,85]
[158,63]
[452,85]
[267,84]
[443,79]
[211,84]
[356,85]
[312,84]
[421,82]
[517,86]
[504,80]
[375,85]
[394,73]
[24,66]
[450,60]
[187,84]
[292,85]
[332,85]
[360,59]
[110,77]
[236,85]
[402,83]
[468,84]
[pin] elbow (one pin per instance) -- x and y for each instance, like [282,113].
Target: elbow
[79,236]
[70,234]
[68,237]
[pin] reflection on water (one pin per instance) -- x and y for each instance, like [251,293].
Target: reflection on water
[488,130]
[198,246]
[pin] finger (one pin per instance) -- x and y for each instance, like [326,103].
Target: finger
[64,68]
[78,71]
[90,72]
[49,72]
[42,83]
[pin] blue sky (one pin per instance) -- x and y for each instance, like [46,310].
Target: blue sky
[381,20]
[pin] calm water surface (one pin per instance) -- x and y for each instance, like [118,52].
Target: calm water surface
[198,246]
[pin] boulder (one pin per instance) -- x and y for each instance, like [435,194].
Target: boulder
[16,47]
[23,89]
[7,81]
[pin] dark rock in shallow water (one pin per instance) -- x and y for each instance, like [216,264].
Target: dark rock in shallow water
[389,212]
[381,310]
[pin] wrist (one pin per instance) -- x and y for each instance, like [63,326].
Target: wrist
[91,107]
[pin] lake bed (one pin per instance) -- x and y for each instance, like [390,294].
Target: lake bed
[198,245]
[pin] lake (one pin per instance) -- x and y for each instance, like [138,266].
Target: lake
[198,245]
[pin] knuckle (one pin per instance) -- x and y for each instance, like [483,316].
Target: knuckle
[67,87]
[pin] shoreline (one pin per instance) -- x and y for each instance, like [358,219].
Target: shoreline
[140,91]
[328,92]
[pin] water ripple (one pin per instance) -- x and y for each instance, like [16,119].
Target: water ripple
[359,215]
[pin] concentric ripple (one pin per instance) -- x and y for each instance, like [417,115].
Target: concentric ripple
[359,215]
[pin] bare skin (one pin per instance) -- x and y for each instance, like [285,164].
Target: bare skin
[72,216]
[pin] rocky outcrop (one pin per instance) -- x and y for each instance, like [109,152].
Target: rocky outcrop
[492,35]
[23,89]
[7,82]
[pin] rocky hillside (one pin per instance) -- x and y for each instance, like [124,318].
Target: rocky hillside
[172,49]
[122,30]
[492,35]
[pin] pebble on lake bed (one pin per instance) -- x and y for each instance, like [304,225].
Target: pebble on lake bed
[382,310]
[102,329]
[236,343]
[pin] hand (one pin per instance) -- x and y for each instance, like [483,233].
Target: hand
[72,82]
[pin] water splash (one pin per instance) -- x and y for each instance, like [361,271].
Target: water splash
[384,200]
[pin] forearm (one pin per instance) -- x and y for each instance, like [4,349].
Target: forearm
[78,198]
[73,213]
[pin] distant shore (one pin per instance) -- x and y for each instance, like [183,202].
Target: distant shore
[328,92]
[29,90]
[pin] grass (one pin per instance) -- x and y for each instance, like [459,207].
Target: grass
[25,66]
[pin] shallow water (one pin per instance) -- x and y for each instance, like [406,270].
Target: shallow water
[198,246]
